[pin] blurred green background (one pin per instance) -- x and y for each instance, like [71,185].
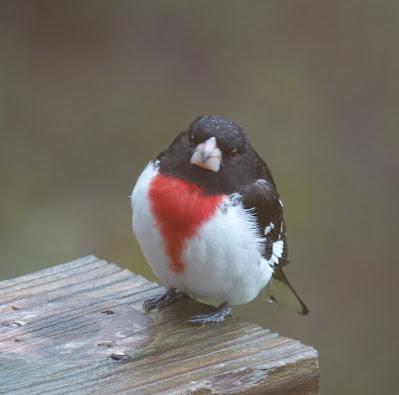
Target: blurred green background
[91,90]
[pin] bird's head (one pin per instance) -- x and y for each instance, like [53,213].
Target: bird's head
[214,141]
[210,151]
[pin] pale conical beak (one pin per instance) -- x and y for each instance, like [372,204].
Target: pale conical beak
[207,155]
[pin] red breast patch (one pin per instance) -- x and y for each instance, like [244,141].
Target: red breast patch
[180,208]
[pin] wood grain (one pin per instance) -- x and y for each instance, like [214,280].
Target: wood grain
[79,328]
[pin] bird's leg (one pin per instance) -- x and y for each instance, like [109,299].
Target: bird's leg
[223,311]
[163,300]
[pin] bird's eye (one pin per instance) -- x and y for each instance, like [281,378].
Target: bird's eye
[191,137]
[233,152]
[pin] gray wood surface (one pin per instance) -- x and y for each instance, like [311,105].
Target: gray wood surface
[79,328]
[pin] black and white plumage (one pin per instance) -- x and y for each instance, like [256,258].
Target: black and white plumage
[209,219]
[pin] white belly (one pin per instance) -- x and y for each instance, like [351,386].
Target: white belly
[222,261]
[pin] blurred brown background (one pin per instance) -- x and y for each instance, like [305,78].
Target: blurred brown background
[91,90]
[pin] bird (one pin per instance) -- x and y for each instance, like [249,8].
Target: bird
[209,221]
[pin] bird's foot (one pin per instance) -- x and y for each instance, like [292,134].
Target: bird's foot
[168,297]
[223,311]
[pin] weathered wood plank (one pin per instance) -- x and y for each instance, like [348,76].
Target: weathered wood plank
[79,328]
[49,272]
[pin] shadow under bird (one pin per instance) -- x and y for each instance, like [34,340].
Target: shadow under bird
[209,220]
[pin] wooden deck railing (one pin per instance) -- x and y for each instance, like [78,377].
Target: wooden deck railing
[79,328]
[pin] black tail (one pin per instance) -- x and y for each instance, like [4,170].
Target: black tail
[281,292]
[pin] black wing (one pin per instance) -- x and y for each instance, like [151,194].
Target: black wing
[262,197]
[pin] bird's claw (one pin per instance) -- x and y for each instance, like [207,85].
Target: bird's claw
[150,304]
[161,301]
[215,317]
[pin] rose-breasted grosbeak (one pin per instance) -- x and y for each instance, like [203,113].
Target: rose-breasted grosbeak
[209,221]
